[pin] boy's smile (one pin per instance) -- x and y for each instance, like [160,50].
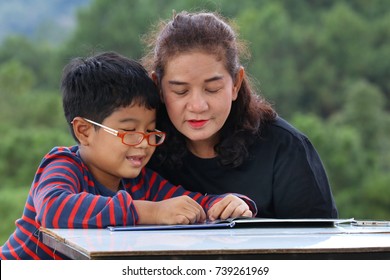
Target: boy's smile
[136,161]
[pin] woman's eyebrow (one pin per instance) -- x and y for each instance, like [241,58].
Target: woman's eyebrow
[212,79]
[215,78]
[177,83]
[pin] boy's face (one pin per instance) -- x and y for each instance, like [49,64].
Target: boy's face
[108,159]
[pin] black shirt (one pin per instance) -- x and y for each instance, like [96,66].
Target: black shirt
[284,175]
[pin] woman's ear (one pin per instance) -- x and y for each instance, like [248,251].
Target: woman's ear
[154,77]
[238,81]
[82,130]
[155,80]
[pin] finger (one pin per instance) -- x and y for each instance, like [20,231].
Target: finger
[213,213]
[247,213]
[232,205]
[194,210]
[201,217]
[195,215]
[216,210]
[181,220]
[235,209]
[228,211]
[220,211]
[241,210]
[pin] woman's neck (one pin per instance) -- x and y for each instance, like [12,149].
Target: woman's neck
[202,149]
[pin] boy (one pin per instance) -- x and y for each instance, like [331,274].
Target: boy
[110,103]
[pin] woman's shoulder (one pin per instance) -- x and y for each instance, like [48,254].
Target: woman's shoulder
[280,137]
[280,128]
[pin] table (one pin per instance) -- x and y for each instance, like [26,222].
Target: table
[338,242]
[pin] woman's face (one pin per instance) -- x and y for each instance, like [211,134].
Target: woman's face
[198,93]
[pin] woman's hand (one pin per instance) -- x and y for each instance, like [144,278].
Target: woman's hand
[230,206]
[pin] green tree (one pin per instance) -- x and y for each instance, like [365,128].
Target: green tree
[364,109]
[36,57]
[340,148]
[15,79]
[21,150]
[323,64]
[103,26]
[272,63]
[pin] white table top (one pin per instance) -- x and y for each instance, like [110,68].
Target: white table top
[102,243]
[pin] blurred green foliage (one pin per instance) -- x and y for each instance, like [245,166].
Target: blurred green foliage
[323,64]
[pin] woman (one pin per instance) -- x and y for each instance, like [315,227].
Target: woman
[222,136]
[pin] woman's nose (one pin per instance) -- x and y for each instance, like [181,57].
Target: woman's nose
[197,102]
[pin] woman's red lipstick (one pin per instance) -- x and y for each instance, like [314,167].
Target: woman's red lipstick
[197,123]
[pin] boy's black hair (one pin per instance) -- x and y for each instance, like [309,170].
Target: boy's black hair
[96,86]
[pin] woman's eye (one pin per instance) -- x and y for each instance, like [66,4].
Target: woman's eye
[127,130]
[212,90]
[180,92]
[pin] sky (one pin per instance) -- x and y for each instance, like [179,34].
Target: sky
[38,18]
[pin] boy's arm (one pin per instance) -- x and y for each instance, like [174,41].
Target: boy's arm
[162,189]
[64,197]
[231,206]
[177,210]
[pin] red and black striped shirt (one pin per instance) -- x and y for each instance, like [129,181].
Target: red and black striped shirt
[64,194]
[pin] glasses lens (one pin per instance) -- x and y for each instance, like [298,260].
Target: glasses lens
[156,138]
[133,138]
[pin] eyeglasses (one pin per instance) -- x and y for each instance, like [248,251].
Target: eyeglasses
[134,138]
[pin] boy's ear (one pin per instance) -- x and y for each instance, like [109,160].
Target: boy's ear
[82,130]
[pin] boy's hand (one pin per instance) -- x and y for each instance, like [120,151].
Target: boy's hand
[230,206]
[179,210]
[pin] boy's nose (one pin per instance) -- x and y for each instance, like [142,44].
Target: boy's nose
[144,144]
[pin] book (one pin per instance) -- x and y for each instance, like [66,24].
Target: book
[371,223]
[240,222]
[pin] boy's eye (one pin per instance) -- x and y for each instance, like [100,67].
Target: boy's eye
[134,130]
